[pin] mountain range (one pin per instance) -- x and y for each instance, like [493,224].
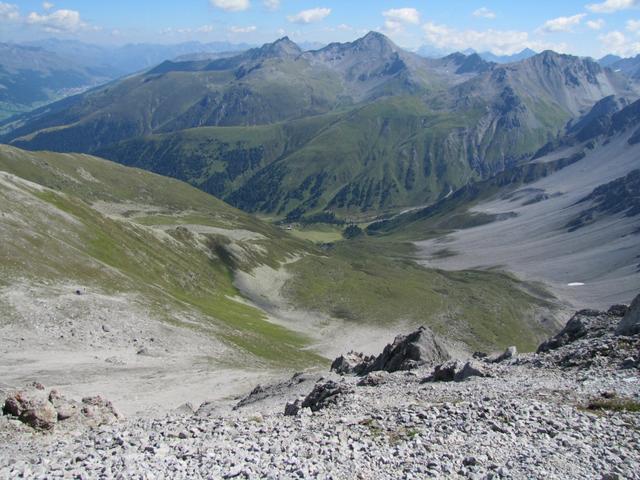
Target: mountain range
[569,216]
[360,128]
[35,73]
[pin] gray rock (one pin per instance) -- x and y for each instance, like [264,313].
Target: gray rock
[324,394]
[630,323]
[407,352]
[629,362]
[584,322]
[456,371]
[291,409]
[509,354]
[355,363]
[373,379]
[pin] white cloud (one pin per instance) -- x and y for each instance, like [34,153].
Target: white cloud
[595,24]
[563,24]
[500,42]
[231,5]
[403,15]
[615,42]
[249,29]
[47,5]
[484,12]
[310,16]
[610,6]
[59,21]
[271,4]
[9,11]
[633,25]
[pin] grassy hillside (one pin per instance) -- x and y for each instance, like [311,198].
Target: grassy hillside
[84,228]
[81,220]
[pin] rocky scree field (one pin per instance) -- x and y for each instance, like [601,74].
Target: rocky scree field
[571,410]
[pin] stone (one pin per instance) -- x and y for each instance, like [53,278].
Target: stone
[32,407]
[324,394]
[630,323]
[509,354]
[291,409]
[469,461]
[352,363]
[373,379]
[629,362]
[456,371]
[407,352]
[618,310]
[583,322]
[40,415]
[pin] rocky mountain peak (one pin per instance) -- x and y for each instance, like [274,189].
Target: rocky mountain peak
[375,42]
[281,48]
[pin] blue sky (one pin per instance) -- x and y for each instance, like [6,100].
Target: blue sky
[582,27]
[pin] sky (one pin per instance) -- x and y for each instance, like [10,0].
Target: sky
[581,27]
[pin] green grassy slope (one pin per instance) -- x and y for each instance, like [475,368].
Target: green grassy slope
[58,234]
[79,219]
[373,282]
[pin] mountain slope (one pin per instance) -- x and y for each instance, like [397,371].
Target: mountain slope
[355,129]
[31,77]
[567,217]
[78,220]
[263,85]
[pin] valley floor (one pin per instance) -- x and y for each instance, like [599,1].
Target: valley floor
[593,266]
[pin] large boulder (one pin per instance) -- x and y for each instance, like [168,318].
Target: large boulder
[583,323]
[43,411]
[456,371]
[407,352]
[324,394]
[630,323]
[31,407]
[353,363]
[509,354]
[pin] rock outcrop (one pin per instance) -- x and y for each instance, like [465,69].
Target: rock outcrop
[324,394]
[456,371]
[42,411]
[353,363]
[592,338]
[630,324]
[583,323]
[407,352]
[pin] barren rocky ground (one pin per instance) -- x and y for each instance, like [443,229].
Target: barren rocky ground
[570,411]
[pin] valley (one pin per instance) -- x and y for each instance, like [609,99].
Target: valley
[317,259]
[114,271]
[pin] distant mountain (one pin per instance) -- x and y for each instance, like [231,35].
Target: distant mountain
[568,216]
[429,51]
[628,66]
[516,57]
[119,60]
[609,60]
[40,72]
[353,128]
[31,76]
